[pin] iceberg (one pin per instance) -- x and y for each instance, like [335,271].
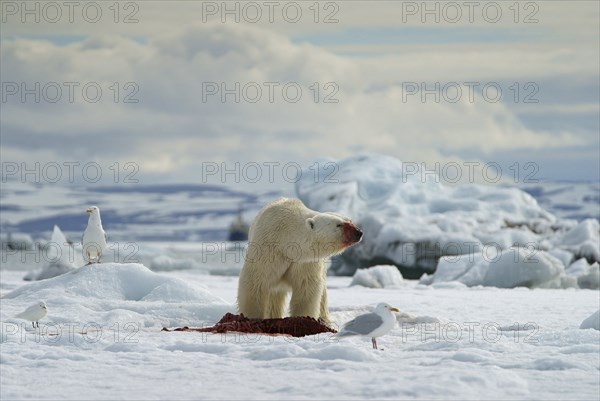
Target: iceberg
[592,322]
[60,257]
[384,276]
[412,220]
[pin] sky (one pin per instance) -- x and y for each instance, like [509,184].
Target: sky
[202,91]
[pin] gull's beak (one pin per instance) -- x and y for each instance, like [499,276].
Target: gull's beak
[394,310]
[89,210]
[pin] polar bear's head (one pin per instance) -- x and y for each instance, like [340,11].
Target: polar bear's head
[332,233]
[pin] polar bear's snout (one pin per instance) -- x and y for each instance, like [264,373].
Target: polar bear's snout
[351,234]
[358,235]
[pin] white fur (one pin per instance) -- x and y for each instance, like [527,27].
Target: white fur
[288,245]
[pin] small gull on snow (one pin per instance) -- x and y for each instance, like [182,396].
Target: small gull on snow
[34,313]
[94,237]
[374,324]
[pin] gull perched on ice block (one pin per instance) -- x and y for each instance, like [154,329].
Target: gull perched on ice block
[374,324]
[34,313]
[94,237]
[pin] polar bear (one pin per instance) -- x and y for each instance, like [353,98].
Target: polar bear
[288,245]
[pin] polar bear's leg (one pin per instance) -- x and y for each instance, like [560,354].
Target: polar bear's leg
[305,302]
[252,301]
[307,290]
[253,292]
[324,309]
[276,304]
[258,283]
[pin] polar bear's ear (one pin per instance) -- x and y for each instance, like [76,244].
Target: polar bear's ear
[310,223]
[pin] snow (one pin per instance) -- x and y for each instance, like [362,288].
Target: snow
[565,257]
[450,343]
[131,212]
[585,274]
[592,322]
[460,334]
[583,239]
[129,281]
[113,292]
[383,276]
[515,267]
[414,221]
[15,240]
[578,268]
[60,257]
[571,200]
[219,257]
[519,268]
[591,279]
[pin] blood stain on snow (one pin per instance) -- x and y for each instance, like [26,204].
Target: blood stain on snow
[299,326]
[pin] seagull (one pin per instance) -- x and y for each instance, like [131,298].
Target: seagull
[34,313]
[94,237]
[374,324]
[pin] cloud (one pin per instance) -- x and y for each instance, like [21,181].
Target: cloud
[176,124]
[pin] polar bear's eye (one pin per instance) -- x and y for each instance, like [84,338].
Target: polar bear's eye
[339,225]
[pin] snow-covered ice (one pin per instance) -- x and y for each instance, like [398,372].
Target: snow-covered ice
[60,257]
[459,335]
[101,340]
[571,200]
[583,239]
[108,293]
[514,267]
[412,220]
[130,212]
[381,276]
[592,322]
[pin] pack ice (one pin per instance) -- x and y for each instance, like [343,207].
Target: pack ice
[471,233]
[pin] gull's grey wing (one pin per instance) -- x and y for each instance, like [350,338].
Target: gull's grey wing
[27,312]
[363,324]
[22,314]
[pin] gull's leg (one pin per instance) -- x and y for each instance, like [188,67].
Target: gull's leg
[33,324]
[374,342]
